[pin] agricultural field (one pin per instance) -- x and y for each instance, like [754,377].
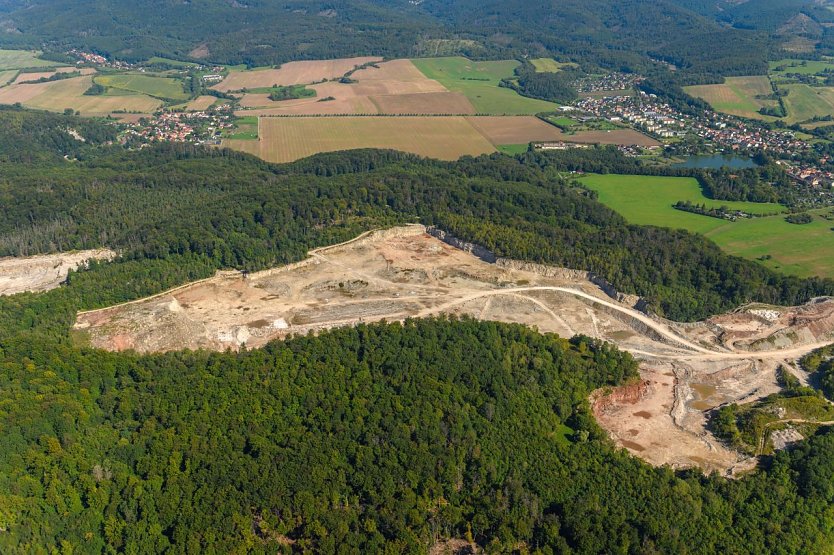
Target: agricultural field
[549,65]
[200,103]
[56,96]
[479,81]
[739,96]
[508,130]
[804,102]
[803,250]
[34,76]
[20,59]
[7,76]
[423,104]
[780,68]
[246,129]
[288,139]
[292,73]
[158,87]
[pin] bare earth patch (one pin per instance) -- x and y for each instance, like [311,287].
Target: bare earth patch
[291,138]
[292,73]
[686,369]
[44,272]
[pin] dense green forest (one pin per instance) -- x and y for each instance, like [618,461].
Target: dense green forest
[229,210]
[613,34]
[554,87]
[378,438]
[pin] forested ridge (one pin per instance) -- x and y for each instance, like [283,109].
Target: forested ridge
[613,34]
[380,438]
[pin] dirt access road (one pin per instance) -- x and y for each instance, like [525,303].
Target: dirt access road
[405,272]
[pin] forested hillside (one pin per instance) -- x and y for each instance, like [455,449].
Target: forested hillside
[615,34]
[230,210]
[381,438]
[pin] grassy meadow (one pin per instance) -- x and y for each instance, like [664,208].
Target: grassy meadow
[20,59]
[804,102]
[159,87]
[549,65]
[737,96]
[479,81]
[803,250]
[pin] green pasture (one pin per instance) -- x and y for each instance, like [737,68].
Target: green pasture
[804,102]
[803,250]
[479,81]
[512,150]
[20,59]
[549,65]
[802,67]
[159,87]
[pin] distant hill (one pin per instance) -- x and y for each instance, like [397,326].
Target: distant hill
[258,32]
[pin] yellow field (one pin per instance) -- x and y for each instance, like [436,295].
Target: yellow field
[292,73]
[288,139]
[738,96]
[200,103]
[69,93]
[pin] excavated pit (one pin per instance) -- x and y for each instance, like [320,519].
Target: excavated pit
[408,272]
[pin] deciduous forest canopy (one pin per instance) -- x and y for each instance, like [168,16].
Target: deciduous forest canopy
[259,32]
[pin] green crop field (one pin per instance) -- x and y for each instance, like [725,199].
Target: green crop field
[803,67]
[804,102]
[159,87]
[549,65]
[7,76]
[803,250]
[739,96]
[19,59]
[512,150]
[479,81]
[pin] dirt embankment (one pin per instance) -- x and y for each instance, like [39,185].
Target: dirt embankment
[413,272]
[44,272]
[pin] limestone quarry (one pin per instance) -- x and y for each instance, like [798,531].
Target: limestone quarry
[44,272]
[406,272]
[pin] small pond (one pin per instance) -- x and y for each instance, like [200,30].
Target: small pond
[715,161]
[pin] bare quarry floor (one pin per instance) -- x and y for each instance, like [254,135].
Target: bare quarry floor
[43,272]
[686,369]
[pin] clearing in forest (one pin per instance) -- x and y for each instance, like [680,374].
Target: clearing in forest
[549,65]
[739,96]
[287,139]
[802,250]
[291,73]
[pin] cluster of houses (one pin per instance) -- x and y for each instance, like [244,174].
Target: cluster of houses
[612,82]
[203,127]
[808,175]
[648,113]
[98,59]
